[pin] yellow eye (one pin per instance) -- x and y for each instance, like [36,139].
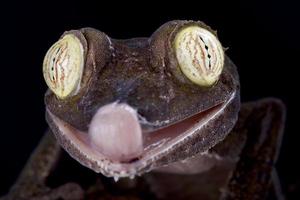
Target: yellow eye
[200,55]
[63,66]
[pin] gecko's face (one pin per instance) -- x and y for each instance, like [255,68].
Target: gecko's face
[124,107]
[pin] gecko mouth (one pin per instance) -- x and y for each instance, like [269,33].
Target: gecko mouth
[140,149]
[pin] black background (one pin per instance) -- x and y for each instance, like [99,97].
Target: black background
[262,36]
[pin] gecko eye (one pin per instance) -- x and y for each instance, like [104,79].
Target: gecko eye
[199,54]
[63,66]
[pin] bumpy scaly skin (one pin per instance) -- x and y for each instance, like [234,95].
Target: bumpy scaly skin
[255,180]
[145,74]
[142,72]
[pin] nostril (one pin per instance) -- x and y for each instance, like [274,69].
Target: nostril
[116,133]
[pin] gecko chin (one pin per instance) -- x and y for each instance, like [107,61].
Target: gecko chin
[116,145]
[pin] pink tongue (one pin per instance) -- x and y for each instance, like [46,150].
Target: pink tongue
[116,133]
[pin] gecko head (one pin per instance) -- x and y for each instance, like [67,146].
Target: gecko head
[125,107]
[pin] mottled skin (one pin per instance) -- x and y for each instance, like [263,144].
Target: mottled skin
[143,73]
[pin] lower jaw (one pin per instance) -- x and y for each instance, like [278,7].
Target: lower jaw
[157,144]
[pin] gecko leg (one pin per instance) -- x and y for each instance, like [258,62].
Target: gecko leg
[255,174]
[31,182]
[239,167]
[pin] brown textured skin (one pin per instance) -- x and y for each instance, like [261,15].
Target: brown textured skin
[255,170]
[213,133]
[250,178]
[144,73]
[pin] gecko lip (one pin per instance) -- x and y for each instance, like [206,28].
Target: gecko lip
[156,144]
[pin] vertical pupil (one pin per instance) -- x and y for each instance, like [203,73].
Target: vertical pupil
[52,69]
[53,63]
[208,55]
